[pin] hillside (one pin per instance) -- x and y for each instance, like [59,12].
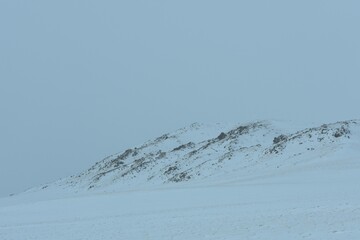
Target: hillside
[203,152]
[263,180]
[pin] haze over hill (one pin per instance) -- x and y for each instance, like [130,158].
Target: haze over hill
[80,80]
[259,180]
[204,152]
[213,152]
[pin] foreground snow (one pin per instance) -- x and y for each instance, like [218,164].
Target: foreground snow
[303,197]
[322,202]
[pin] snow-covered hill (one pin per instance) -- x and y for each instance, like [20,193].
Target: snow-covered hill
[262,180]
[214,153]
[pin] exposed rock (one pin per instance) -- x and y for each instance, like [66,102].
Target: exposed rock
[160,155]
[341,132]
[280,138]
[188,145]
[221,136]
[171,169]
[180,177]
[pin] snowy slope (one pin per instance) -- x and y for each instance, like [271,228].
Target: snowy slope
[263,180]
[212,152]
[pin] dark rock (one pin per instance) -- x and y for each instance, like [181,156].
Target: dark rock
[161,155]
[135,153]
[281,138]
[221,136]
[162,138]
[341,132]
[180,177]
[171,169]
[190,144]
[125,154]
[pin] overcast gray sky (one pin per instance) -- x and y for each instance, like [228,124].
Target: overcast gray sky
[80,80]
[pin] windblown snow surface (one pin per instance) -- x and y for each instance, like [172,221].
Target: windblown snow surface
[262,180]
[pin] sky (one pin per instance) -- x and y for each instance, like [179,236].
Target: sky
[81,80]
